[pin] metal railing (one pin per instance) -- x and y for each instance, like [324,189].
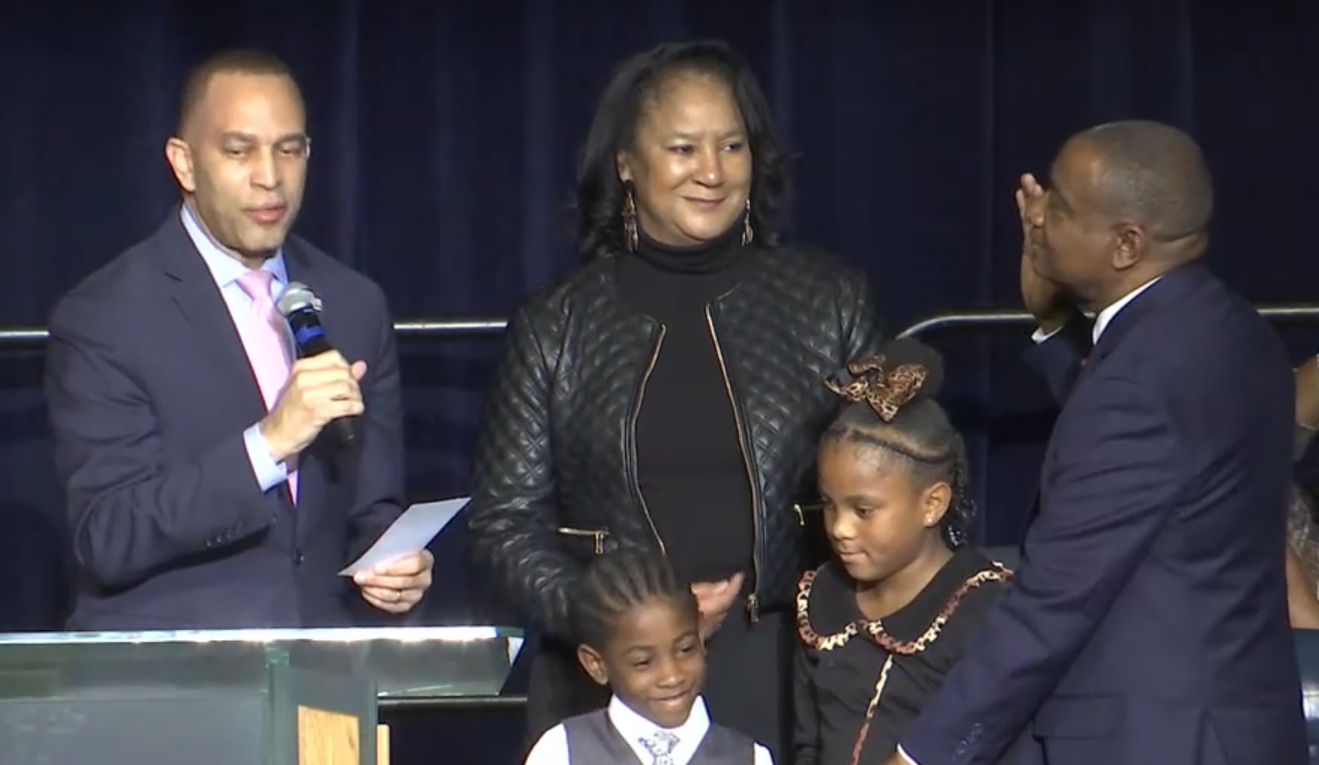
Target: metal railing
[35,337]
[32,338]
[1277,313]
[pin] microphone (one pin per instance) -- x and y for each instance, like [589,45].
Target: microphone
[302,310]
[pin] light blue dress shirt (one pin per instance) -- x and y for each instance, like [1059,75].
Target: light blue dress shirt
[225,270]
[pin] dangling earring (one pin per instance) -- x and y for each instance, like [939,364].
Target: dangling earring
[748,233]
[630,220]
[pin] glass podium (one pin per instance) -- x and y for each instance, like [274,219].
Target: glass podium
[231,697]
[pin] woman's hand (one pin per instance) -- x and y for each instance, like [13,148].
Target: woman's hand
[714,600]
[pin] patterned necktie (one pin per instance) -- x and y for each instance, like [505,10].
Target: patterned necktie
[660,745]
[265,348]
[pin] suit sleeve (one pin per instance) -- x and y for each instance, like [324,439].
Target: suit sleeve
[380,493]
[1110,491]
[805,727]
[862,327]
[512,515]
[1058,358]
[131,509]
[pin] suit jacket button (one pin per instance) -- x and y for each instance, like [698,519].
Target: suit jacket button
[298,558]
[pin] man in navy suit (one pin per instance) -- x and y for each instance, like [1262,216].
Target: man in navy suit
[1148,620]
[199,491]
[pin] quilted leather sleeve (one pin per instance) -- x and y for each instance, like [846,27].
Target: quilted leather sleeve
[863,330]
[512,515]
[799,318]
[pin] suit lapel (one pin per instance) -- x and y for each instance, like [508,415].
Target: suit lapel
[197,297]
[318,466]
[1168,290]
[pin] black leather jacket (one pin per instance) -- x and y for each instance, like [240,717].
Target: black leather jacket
[555,466]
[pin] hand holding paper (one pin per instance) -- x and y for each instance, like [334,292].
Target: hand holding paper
[396,586]
[396,572]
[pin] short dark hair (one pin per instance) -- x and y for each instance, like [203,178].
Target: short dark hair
[1154,174]
[621,580]
[238,61]
[919,436]
[600,193]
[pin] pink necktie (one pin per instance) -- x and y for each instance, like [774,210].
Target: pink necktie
[265,348]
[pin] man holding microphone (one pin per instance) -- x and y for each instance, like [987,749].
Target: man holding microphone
[205,485]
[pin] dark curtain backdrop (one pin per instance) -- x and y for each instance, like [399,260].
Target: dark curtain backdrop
[445,140]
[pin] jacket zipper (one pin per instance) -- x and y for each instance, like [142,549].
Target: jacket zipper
[753,600]
[632,436]
[597,537]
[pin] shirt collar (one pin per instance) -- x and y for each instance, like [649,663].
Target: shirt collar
[224,269]
[1105,316]
[634,727]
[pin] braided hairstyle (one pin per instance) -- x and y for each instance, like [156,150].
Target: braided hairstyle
[620,581]
[889,403]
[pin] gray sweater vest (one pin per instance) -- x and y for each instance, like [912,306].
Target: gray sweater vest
[593,740]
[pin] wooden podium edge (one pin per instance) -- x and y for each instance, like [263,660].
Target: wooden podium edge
[331,738]
[382,745]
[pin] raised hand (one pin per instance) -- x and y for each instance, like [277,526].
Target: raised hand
[1044,299]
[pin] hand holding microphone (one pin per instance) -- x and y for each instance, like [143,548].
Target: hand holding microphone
[322,389]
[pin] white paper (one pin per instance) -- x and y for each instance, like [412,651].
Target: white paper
[410,534]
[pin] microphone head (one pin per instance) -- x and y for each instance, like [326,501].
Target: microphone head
[296,297]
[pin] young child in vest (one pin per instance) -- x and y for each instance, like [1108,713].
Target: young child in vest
[640,636]
[882,624]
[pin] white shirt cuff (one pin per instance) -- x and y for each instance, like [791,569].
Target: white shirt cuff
[1039,335]
[268,472]
[903,752]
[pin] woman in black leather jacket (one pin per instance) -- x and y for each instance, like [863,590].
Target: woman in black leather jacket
[669,391]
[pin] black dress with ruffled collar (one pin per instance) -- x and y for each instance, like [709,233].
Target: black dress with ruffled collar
[858,682]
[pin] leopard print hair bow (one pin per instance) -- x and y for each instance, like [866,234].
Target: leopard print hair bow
[884,391]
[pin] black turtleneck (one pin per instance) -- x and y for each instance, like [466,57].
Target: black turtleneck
[690,464]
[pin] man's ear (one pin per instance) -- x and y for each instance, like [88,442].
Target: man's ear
[179,155]
[593,663]
[1130,243]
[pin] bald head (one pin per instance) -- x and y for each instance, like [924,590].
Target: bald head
[233,62]
[1152,175]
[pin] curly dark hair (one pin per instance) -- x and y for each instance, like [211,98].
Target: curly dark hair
[632,90]
[889,403]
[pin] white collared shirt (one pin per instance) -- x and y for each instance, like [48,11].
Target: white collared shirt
[552,747]
[1105,316]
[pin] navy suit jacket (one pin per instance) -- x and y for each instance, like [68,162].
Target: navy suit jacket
[1148,620]
[150,390]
